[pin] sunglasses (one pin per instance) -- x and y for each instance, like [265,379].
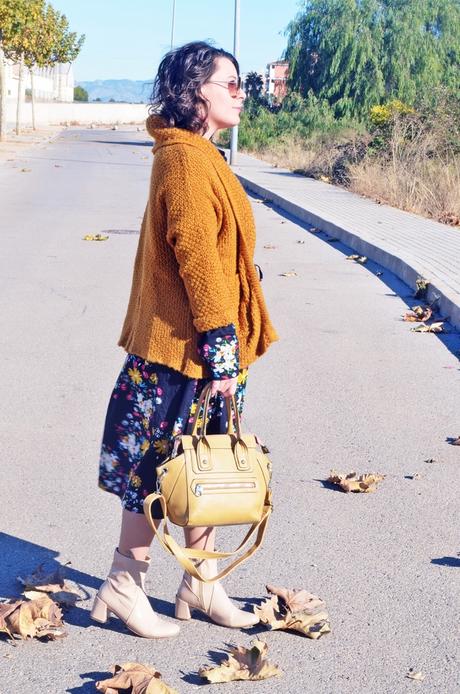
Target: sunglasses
[233,86]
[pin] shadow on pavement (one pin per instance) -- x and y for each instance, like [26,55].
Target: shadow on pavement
[21,557]
[447,561]
[89,686]
[147,143]
[216,657]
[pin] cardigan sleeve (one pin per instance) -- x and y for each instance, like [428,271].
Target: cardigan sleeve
[192,211]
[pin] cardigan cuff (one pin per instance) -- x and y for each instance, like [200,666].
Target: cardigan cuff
[220,350]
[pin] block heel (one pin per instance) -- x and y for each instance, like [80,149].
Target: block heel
[122,594]
[182,610]
[100,613]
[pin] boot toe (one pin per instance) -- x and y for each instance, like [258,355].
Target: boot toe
[244,620]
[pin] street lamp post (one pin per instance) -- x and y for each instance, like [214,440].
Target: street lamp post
[2,92]
[173,22]
[236,52]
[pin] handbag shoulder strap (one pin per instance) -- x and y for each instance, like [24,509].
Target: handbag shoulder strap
[184,555]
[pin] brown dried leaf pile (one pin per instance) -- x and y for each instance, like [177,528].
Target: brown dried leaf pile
[135,678]
[243,664]
[37,618]
[421,288]
[357,258]
[418,314]
[352,482]
[40,582]
[437,327]
[295,610]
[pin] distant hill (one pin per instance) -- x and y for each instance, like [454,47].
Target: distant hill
[131,91]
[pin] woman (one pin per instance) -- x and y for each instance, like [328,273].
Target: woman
[196,314]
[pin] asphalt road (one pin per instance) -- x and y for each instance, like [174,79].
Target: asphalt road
[348,386]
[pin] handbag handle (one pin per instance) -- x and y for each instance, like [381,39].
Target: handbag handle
[184,555]
[204,401]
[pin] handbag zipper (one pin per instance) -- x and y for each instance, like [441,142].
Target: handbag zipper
[220,486]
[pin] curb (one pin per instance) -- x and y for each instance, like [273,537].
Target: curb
[447,303]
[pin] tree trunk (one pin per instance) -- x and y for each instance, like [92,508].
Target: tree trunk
[3,90]
[19,104]
[33,97]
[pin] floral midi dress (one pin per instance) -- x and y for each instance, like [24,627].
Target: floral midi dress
[150,405]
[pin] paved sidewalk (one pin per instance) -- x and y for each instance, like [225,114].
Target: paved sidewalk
[19,145]
[404,243]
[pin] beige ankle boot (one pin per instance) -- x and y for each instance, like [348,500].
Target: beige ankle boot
[123,594]
[211,599]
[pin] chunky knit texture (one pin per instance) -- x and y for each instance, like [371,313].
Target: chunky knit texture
[194,266]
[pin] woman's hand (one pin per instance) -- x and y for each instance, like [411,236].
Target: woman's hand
[227,387]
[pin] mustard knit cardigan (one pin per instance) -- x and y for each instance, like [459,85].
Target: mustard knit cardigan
[194,268]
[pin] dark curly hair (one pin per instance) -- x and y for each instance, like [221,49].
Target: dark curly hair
[176,88]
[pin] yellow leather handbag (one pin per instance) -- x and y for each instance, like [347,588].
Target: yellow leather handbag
[213,480]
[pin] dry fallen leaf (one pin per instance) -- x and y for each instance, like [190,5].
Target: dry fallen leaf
[291,273]
[243,664]
[295,610]
[352,482]
[412,675]
[95,237]
[433,328]
[357,258]
[418,313]
[135,677]
[324,179]
[37,618]
[40,581]
[421,285]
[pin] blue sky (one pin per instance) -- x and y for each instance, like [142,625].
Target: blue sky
[126,40]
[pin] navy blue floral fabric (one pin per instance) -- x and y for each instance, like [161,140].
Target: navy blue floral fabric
[150,405]
[219,349]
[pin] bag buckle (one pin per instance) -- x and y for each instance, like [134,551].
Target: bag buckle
[159,478]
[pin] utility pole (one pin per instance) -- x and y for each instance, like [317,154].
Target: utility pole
[173,22]
[2,92]
[236,52]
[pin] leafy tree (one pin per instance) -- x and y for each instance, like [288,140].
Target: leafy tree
[421,47]
[66,45]
[35,34]
[253,85]
[17,21]
[80,94]
[333,49]
[357,53]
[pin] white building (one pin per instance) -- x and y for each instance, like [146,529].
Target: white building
[51,84]
[276,77]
